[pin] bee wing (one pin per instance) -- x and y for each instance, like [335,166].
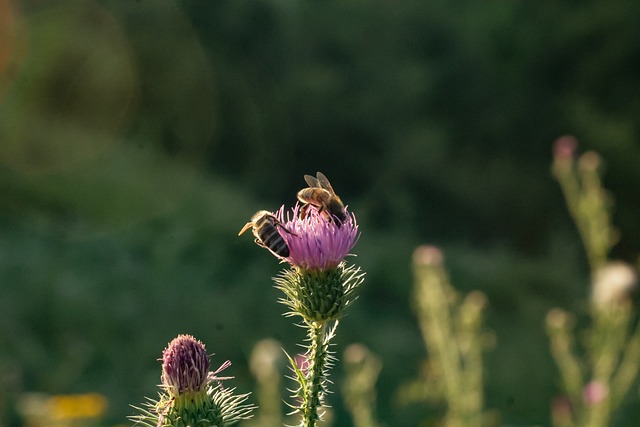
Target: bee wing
[324,183]
[312,182]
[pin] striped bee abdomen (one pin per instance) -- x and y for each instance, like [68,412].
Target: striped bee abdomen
[271,238]
[265,229]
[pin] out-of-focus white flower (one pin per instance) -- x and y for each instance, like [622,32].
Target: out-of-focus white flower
[613,283]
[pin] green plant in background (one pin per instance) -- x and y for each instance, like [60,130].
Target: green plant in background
[192,395]
[588,202]
[362,368]
[264,363]
[452,331]
[596,383]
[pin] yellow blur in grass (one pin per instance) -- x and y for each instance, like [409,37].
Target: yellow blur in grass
[70,410]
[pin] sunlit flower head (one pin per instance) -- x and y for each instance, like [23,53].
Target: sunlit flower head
[185,366]
[316,242]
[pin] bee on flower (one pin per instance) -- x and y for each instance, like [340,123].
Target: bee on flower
[316,242]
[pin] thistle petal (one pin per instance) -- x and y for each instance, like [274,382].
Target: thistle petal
[316,242]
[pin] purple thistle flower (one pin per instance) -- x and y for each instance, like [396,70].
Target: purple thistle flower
[316,242]
[185,366]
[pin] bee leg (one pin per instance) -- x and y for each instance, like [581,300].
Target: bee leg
[259,243]
[303,210]
[327,214]
[287,230]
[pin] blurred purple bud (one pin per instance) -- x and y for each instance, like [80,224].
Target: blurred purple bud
[565,147]
[427,255]
[594,393]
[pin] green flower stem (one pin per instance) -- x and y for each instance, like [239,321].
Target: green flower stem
[317,358]
[471,349]
[362,369]
[434,304]
[560,330]
[597,384]
[628,370]
[588,204]
[608,342]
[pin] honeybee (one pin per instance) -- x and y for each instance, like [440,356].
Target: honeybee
[321,195]
[265,229]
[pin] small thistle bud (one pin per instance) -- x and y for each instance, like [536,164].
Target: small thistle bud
[427,255]
[564,149]
[562,411]
[558,320]
[185,366]
[564,153]
[191,395]
[589,161]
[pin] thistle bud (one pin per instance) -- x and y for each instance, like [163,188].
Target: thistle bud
[191,395]
[185,366]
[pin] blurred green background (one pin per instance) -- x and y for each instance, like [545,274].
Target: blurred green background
[138,137]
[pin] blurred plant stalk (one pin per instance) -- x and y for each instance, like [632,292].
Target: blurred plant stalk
[596,383]
[362,368]
[588,202]
[267,359]
[452,332]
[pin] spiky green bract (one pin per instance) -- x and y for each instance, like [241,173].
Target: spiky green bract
[217,406]
[312,373]
[319,296]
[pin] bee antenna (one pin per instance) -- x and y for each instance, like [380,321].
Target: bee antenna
[246,227]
